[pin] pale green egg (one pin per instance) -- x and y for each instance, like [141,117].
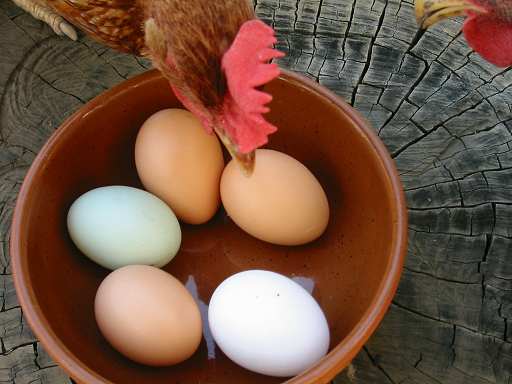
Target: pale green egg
[117,226]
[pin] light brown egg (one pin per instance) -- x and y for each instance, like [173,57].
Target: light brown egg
[180,163]
[148,315]
[281,202]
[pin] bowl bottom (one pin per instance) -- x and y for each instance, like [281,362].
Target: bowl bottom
[351,270]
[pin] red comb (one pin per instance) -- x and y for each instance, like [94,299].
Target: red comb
[491,37]
[246,64]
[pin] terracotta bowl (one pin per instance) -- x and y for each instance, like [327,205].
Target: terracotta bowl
[352,270]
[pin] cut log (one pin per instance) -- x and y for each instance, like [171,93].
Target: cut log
[444,114]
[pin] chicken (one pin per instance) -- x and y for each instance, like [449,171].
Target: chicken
[41,11]
[215,54]
[487,28]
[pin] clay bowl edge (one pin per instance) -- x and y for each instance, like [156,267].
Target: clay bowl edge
[341,355]
[337,359]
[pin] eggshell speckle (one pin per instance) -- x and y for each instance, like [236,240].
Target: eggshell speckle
[267,323]
[148,316]
[180,163]
[281,202]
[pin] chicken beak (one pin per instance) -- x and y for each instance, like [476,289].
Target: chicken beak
[429,12]
[245,160]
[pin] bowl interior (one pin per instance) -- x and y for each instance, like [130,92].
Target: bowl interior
[343,269]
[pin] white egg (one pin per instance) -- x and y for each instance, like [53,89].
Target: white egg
[267,323]
[117,226]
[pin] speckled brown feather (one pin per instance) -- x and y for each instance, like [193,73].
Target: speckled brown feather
[197,33]
[186,39]
[117,23]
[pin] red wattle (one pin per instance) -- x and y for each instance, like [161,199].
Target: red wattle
[490,37]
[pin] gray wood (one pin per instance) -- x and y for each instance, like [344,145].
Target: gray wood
[444,114]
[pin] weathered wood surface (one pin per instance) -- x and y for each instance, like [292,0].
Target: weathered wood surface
[445,115]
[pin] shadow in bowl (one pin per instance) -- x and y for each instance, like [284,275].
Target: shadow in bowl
[352,270]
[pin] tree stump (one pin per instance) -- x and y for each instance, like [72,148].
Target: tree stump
[444,114]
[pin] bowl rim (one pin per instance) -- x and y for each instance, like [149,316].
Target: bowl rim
[324,370]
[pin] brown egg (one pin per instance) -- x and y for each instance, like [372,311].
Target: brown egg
[281,202]
[180,163]
[148,315]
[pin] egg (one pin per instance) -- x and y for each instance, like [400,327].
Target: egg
[281,202]
[148,316]
[117,226]
[267,323]
[180,163]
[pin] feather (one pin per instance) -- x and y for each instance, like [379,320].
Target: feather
[214,54]
[199,32]
[116,23]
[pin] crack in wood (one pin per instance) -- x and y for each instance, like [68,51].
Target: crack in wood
[369,58]
[443,112]
[376,363]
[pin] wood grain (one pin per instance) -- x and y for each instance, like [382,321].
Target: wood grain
[444,114]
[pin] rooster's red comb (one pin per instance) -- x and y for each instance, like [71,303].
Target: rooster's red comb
[247,66]
[491,36]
